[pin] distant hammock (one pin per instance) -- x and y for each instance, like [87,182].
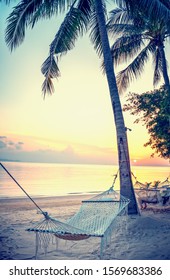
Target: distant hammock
[157,193]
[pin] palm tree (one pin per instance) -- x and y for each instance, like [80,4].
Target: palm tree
[82,15]
[137,40]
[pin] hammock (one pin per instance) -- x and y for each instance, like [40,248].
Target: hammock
[152,194]
[164,184]
[96,218]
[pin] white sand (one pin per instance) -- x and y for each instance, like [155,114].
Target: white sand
[147,236]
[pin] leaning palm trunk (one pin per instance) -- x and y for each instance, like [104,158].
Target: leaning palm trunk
[164,65]
[126,186]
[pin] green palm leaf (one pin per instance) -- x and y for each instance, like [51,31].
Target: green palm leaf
[26,13]
[49,8]
[44,11]
[86,8]
[18,20]
[134,69]
[95,33]
[118,15]
[122,29]
[134,31]
[152,8]
[50,70]
[74,24]
[126,48]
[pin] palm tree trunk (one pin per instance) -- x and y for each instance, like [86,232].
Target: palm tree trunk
[126,186]
[164,65]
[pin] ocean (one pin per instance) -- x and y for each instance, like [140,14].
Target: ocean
[48,179]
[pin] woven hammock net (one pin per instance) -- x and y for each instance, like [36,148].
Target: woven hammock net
[95,218]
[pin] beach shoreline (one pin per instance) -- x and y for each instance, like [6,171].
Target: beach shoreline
[144,237]
[23,203]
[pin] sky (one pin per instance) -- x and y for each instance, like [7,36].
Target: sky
[75,124]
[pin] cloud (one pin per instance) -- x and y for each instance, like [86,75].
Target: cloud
[47,150]
[67,155]
[2,144]
[32,150]
[68,152]
[7,144]
[11,143]
[20,143]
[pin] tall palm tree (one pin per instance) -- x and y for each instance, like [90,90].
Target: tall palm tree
[82,15]
[138,39]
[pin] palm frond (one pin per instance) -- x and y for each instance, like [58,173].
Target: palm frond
[44,11]
[50,70]
[122,29]
[49,8]
[95,35]
[126,48]
[86,7]
[74,24]
[134,69]
[153,9]
[18,20]
[28,12]
[95,32]
[119,15]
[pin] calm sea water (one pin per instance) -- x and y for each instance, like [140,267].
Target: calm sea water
[41,179]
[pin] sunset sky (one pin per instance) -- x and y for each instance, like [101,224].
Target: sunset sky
[75,125]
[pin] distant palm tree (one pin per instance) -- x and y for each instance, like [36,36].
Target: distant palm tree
[138,39]
[82,15]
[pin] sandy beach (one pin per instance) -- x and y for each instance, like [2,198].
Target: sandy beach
[143,237]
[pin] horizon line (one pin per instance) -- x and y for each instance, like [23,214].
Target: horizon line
[81,163]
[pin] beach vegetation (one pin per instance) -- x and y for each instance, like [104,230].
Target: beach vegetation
[153,110]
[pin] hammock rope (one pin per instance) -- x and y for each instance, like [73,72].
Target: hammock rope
[42,212]
[95,218]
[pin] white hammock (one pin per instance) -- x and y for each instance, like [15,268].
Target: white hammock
[95,218]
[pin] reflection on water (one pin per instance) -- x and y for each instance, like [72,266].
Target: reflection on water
[41,179]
